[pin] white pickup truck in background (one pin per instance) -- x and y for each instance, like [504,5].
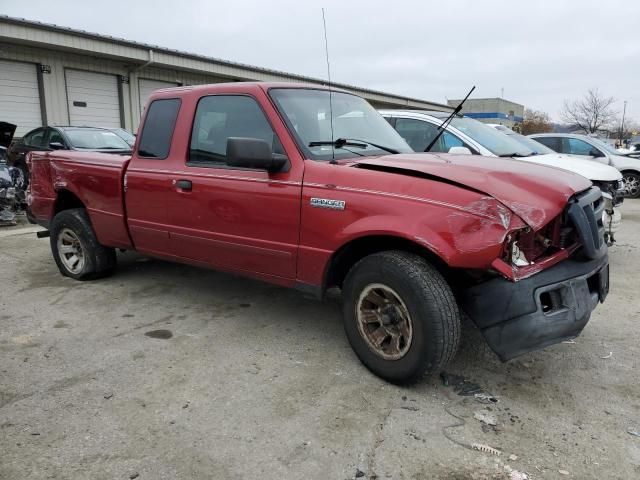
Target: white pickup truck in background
[465,135]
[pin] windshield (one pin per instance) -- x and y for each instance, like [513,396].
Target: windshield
[603,145]
[530,143]
[497,143]
[126,136]
[307,114]
[95,139]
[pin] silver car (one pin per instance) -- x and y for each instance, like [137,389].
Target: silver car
[591,148]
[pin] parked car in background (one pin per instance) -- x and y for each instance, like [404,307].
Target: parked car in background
[536,147]
[592,148]
[126,135]
[46,139]
[465,135]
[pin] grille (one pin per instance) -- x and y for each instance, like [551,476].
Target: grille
[585,213]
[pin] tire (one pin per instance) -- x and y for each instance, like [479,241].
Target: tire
[632,184]
[71,234]
[422,294]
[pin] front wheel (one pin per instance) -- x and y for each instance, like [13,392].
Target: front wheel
[400,315]
[76,249]
[631,184]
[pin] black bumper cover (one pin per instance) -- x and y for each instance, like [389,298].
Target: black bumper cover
[547,308]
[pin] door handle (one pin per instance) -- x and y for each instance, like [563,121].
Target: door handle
[184,185]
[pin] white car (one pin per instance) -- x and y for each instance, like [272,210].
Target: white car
[594,149]
[465,135]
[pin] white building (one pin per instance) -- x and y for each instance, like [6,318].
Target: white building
[52,75]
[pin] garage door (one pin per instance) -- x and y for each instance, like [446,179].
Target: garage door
[146,87]
[93,99]
[19,96]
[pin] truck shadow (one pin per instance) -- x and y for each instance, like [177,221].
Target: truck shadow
[258,305]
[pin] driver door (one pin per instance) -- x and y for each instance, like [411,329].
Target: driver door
[239,219]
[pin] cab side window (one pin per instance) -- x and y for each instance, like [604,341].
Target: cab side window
[575,146]
[157,132]
[419,134]
[219,117]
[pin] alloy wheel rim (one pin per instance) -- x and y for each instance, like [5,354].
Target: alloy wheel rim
[631,185]
[384,321]
[70,251]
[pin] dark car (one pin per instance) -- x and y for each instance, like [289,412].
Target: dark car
[86,139]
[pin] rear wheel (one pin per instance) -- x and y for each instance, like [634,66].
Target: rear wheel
[400,316]
[76,249]
[631,184]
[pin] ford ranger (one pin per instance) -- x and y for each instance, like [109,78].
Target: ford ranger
[311,188]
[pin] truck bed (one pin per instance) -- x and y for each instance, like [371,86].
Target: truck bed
[96,178]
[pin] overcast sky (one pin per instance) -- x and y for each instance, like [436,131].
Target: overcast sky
[540,52]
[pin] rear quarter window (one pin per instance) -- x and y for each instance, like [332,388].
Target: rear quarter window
[157,132]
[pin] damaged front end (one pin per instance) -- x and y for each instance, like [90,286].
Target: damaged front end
[551,280]
[11,193]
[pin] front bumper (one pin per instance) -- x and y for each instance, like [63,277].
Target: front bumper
[544,309]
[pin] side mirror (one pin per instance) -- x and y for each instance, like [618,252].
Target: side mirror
[595,153]
[253,153]
[460,151]
[56,146]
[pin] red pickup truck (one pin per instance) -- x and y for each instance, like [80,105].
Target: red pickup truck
[310,188]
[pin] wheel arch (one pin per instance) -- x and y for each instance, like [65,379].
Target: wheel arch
[356,249]
[65,200]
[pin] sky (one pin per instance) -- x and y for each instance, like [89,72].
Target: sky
[540,52]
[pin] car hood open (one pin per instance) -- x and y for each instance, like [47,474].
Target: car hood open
[6,134]
[535,193]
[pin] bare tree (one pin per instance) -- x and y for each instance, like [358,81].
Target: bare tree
[626,132]
[591,113]
[535,121]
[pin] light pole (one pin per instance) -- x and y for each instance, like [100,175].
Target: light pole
[624,111]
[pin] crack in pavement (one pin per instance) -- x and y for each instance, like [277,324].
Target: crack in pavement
[377,442]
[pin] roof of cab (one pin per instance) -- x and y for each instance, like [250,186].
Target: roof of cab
[240,87]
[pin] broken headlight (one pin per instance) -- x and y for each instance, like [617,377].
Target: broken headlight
[524,247]
[518,258]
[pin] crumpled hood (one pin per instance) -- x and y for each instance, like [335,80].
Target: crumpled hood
[587,168]
[535,193]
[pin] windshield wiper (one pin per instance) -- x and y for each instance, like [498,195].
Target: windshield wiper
[444,124]
[515,155]
[352,142]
